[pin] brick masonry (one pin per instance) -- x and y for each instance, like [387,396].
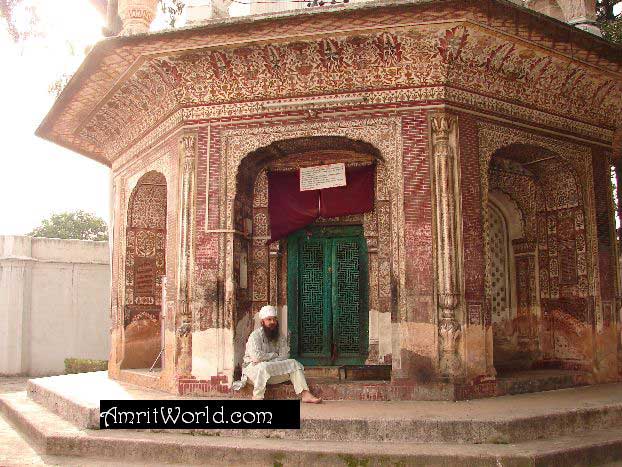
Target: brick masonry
[418,216]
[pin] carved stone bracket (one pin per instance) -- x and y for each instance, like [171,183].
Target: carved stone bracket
[444,127]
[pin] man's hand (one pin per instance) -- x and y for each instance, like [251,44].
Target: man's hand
[268,357]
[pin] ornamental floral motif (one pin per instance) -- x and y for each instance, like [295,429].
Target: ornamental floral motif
[460,56]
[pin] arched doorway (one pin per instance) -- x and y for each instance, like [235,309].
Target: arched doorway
[345,324]
[500,284]
[538,281]
[505,222]
[145,269]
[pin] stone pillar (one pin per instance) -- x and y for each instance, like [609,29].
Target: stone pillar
[444,136]
[113,22]
[187,147]
[136,15]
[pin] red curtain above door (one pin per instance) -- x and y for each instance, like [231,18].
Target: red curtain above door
[290,209]
[357,197]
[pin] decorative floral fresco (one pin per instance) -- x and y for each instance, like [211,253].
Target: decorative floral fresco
[462,57]
[145,250]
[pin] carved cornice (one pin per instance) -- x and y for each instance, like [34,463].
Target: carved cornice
[219,79]
[413,96]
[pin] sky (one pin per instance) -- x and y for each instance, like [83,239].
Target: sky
[39,178]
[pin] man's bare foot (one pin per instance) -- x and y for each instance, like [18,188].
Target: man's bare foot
[257,398]
[310,398]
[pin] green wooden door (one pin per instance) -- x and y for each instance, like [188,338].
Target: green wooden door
[327,296]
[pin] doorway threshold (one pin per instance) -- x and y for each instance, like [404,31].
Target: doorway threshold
[350,372]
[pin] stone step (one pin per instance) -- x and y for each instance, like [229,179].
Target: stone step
[372,382]
[525,382]
[358,389]
[350,372]
[57,437]
[504,419]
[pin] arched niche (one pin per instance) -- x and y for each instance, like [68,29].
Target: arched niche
[550,262]
[145,268]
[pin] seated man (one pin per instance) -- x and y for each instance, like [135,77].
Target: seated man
[267,361]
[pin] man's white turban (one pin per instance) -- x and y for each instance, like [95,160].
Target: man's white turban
[267,311]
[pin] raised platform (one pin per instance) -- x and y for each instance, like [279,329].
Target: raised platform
[343,383]
[509,383]
[580,426]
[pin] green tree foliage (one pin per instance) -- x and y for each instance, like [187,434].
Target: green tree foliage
[610,22]
[172,8]
[8,9]
[57,86]
[77,225]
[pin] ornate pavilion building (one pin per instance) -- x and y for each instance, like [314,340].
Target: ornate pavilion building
[474,239]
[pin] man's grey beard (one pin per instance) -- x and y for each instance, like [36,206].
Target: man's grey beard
[271,334]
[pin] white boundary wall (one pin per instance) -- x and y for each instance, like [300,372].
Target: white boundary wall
[54,303]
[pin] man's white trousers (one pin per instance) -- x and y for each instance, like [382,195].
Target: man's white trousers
[297,378]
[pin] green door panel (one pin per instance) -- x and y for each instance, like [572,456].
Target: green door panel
[327,295]
[313,330]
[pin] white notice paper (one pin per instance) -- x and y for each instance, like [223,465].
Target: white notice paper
[322,176]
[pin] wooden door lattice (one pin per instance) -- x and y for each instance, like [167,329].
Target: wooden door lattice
[327,295]
[347,302]
[312,297]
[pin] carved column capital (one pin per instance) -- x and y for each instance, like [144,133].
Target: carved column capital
[443,123]
[188,145]
[188,149]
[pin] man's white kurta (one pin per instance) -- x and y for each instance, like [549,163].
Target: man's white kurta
[265,358]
